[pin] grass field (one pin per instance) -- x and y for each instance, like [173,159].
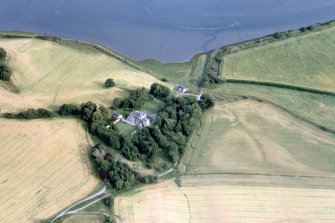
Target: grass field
[51,74]
[192,203]
[85,218]
[316,108]
[305,61]
[187,73]
[253,137]
[44,168]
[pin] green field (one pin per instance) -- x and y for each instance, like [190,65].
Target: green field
[306,60]
[317,108]
[187,73]
[152,106]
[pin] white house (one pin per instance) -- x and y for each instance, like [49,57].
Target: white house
[180,89]
[138,119]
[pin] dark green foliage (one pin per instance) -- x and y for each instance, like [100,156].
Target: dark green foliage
[279,35]
[3,54]
[136,99]
[5,72]
[117,174]
[159,91]
[86,110]
[69,109]
[168,138]
[31,114]
[206,101]
[109,83]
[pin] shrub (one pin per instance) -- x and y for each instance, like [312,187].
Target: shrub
[31,114]
[69,109]
[206,101]
[5,72]
[109,83]
[159,91]
[3,54]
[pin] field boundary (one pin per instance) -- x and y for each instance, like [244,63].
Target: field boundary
[279,85]
[59,40]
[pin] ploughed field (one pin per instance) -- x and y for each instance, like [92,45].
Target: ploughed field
[306,61]
[44,167]
[50,74]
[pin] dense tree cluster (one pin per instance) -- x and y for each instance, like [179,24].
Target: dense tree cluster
[159,91]
[5,71]
[31,114]
[168,137]
[109,83]
[117,174]
[135,100]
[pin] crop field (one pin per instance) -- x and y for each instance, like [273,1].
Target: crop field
[44,168]
[253,137]
[315,108]
[304,61]
[50,74]
[192,203]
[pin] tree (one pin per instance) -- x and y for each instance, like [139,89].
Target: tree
[3,54]
[69,109]
[109,83]
[87,109]
[5,72]
[159,91]
[206,102]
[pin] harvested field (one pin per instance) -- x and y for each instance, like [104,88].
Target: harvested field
[167,203]
[44,167]
[52,74]
[304,61]
[255,138]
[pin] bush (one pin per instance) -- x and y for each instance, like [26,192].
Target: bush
[5,72]
[159,91]
[3,54]
[31,114]
[109,83]
[69,109]
[206,102]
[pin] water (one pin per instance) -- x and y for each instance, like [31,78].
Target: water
[166,30]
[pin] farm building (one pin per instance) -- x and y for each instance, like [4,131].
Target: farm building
[138,119]
[180,89]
